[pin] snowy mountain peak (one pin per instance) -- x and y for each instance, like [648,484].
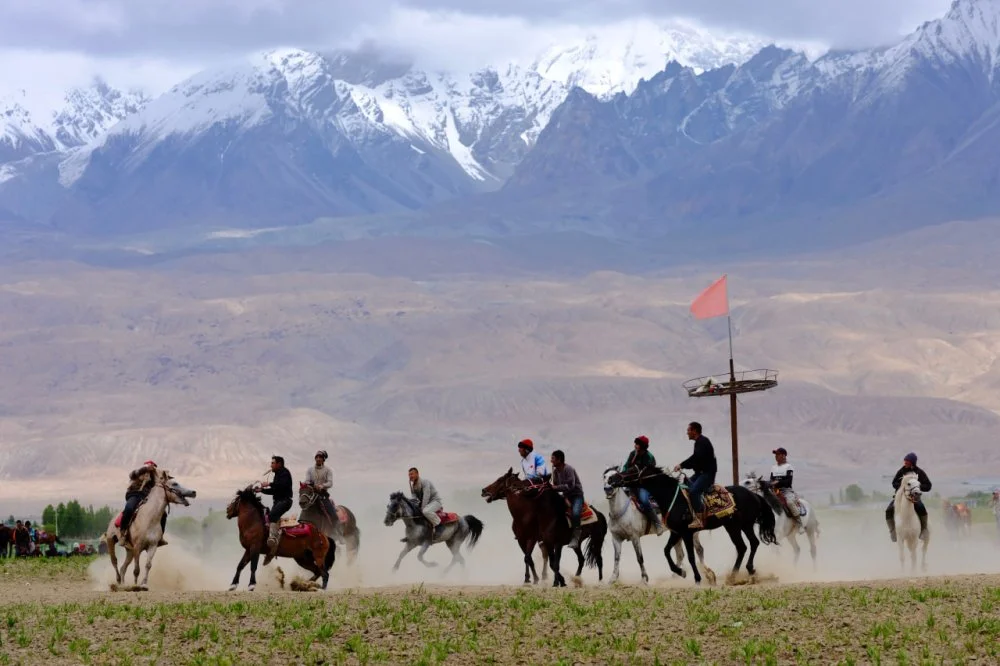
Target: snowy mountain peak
[618,56]
[970,30]
[91,111]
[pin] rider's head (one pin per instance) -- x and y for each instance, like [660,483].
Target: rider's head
[321,457]
[524,447]
[641,443]
[780,454]
[558,459]
[910,460]
[694,430]
[277,462]
[414,475]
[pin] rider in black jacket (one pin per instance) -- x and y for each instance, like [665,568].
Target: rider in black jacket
[909,465]
[281,490]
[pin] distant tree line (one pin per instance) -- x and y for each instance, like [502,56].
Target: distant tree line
[72,520]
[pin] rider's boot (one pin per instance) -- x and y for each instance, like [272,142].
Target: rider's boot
[272,542]
[891,523]
[655,521]
[574,543]
[923,527]
[695,523]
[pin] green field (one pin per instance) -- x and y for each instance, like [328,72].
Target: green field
[51,615]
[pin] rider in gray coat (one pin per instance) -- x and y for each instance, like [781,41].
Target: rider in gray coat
[427,498]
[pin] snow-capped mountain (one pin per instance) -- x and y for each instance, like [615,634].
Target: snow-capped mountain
[28,127]
[863,141]
[615,58]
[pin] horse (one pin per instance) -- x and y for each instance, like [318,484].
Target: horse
[526,530]
[49,539]
[626,522]
[342,528]
[305,543]
[144,530]
[748,510]
[907,521]
[420,533]
[786,527]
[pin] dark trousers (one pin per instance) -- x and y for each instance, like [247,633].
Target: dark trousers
[575,510]
[279,508]
[890,512]
[697,486]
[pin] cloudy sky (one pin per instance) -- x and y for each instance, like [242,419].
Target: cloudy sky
[49,45]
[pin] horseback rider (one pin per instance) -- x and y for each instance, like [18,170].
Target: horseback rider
[428,500]
[566,482]
[320,478]
[532,464]
[781,483]
[281,490]
[702,462]
[909,465]
[141,481]
[639,459]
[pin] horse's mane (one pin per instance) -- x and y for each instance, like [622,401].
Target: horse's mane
[248,495]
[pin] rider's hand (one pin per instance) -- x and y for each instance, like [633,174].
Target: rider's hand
[677,468]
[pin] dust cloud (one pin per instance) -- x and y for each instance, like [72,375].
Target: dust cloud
[853,546]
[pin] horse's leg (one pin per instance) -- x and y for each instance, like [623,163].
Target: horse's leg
[737,538]
[579,558]
[254,559]
[754,544]
[679,553]
[671,542]
[529,565]
[149,565]
[128,561]
[811,534]
[555,555]
[320,551]
[545,561]
[135,567]
[689,544]
[637,547]
[239,569]
[454,545]
[114,560]
[700,550]
[795,545]
[407,547]
[420,555]
[617,543]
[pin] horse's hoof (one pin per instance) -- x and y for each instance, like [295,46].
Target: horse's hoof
[251,588]
[232,587]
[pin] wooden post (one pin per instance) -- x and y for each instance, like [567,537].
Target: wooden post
[732,425]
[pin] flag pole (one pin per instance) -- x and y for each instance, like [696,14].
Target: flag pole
[732,406]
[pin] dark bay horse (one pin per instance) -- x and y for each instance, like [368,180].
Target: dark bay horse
[342,528]
[540,517]
[313,551]
[665,489]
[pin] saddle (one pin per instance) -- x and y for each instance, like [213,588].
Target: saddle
[447,517]
[789,511]
[718,501]
[296,531]
[587,516]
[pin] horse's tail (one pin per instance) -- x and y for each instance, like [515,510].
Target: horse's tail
[766,523]
[596,542]
[475,530]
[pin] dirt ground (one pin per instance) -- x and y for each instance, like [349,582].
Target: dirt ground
[53,614]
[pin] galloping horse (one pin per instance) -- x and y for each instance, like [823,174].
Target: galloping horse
[749,510]
[342,528]
[626,522]
[907,521]
[144,530]
[957,519]
[420,533]
[306,544]
[540,517]
[786,527]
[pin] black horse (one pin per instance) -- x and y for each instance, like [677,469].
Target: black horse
[665,489]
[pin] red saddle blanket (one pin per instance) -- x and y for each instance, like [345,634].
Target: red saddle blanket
[586,514]
[447,517]
[118,520]
[298,531]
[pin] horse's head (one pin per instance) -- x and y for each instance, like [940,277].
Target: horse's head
[176,493]
[909,486]
[249,495]
[751,481]
[399,507]
[499,488]
[609,489]
[307,496]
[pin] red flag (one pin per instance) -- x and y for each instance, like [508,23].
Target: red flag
[713,302]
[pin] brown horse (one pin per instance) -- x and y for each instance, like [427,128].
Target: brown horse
[312,551]
[540,517]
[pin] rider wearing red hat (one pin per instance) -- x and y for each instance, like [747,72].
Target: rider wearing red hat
[141,481]
[532,464]
[639,459]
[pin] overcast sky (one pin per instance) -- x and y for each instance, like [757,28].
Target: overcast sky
[53,44]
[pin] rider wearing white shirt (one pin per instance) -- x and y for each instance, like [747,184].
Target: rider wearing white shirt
[532,464]
[781,481]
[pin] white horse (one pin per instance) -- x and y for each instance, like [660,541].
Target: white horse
[786,527]
[627,523]
[908,523]
[145,530]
